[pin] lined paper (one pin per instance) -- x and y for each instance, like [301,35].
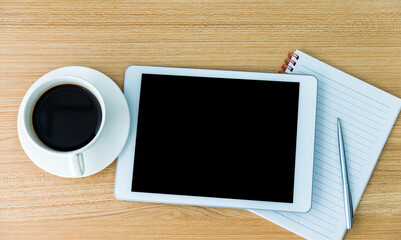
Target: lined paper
[367,116]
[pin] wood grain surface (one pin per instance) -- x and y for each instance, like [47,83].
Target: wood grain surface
[362,38]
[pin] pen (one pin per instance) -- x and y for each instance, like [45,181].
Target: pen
[349,213]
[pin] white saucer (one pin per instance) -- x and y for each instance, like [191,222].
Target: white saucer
[109,144]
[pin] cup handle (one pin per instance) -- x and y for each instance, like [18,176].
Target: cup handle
[77,164]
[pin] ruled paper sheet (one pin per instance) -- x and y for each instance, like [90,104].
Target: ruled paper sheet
[367,115]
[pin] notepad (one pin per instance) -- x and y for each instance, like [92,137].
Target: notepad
[367,116]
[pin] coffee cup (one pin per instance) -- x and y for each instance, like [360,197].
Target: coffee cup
[64,116]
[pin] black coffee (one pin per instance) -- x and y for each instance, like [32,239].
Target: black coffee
[66,117]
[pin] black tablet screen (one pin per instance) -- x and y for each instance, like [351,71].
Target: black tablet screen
[214,137]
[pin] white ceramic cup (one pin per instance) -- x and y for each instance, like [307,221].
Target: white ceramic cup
[76,157]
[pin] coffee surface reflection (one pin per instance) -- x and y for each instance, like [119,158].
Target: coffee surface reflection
[66,117]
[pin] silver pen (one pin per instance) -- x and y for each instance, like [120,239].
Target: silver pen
[349,212]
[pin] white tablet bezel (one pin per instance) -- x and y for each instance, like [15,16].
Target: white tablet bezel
[304,150]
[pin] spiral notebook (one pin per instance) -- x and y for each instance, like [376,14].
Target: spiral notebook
[367,116]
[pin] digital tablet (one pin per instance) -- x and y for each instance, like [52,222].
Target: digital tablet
[218,138]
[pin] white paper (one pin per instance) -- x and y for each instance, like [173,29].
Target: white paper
[367,116]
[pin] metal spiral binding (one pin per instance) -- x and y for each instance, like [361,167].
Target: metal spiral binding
[289,61]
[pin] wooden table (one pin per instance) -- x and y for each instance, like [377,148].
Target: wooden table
[359,37]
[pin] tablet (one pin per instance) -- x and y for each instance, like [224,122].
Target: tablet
[218,138]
